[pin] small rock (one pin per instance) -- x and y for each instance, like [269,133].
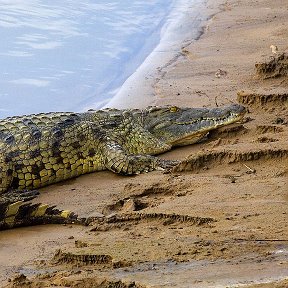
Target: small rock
[232,179]
[279,121]
[220,73]
[80,244]
[274,49]
[129,205]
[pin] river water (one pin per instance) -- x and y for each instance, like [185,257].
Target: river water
[67,55]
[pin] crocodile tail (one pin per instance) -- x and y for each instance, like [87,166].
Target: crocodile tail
[21,213]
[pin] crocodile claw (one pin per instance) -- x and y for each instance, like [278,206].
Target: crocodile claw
[167,164]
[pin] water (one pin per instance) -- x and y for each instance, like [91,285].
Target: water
[68,55]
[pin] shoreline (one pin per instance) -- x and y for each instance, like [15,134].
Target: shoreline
[237,176]
[138,90]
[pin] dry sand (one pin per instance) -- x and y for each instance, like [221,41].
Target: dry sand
[220,218]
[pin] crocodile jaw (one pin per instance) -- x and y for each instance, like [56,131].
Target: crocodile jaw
[183,126]
[205,126]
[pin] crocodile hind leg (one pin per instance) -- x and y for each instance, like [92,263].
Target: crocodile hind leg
[16,211]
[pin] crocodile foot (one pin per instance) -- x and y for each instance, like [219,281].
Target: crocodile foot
[166,164]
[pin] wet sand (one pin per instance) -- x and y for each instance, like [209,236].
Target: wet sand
[220,218]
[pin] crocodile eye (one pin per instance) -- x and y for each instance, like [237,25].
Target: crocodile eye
[174,109]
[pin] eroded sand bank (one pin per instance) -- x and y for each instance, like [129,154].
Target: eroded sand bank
[220,219]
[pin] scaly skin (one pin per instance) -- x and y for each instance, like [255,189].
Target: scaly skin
[38,150]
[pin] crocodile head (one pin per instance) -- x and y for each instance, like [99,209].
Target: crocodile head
[183,126]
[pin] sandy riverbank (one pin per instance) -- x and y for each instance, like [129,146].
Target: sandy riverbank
[183,26]
[242,184]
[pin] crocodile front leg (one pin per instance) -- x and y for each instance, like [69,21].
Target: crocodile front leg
[118,161]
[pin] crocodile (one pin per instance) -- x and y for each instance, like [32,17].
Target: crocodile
[41,149]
